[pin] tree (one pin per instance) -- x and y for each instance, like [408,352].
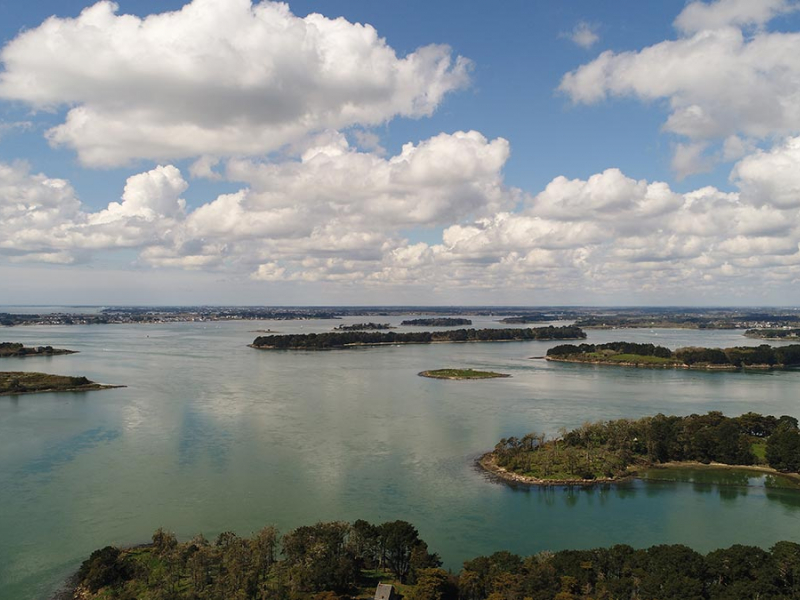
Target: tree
[398,539]
[783,450]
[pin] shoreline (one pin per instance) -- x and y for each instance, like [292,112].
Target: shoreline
[489,465]
[85,388]
[725,368]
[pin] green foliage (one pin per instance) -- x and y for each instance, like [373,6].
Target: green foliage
[607,449]
[437,322]
[17,382]
[246,568]
[341,339]
[783,450]
[763,356]
[105,567]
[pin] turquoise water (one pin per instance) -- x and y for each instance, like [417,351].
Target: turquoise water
[211,435]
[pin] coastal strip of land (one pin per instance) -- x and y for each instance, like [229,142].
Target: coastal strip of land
[461,374]
[17,350]
[613,451]
[13,383]
[627,354]
[773,334]
[345,339]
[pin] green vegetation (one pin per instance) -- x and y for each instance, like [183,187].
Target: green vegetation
[649,355]
[326,341]
[437,322]
[363,326]
[773,334]
[9,349]
[665,319]
[609,450]
[338,558]
[461,374]
[16,382]
[334,561]
[528,318]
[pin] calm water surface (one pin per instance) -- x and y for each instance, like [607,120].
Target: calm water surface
[211,435]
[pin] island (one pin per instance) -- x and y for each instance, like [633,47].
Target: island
[437,322]
[18,382]
[528,318]
[609,451]
[773,334]
[461,374]
[364,327]
[328,341]
[13,349]
[628,354]
[334,560]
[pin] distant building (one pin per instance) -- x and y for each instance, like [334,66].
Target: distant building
[385,591]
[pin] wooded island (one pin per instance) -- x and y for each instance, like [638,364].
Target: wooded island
[612,450]
[437,322]
[762,357]
[334,340]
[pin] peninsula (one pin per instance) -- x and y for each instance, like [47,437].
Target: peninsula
[18,382]
[627,354]
[461,374]
[609,451]
[327,341]
[437,322]
[12,349]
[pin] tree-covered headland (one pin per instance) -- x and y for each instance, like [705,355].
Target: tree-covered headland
[342,339]
[335,561]
[649,355]
[609,450]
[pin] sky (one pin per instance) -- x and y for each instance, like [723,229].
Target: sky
[360,152]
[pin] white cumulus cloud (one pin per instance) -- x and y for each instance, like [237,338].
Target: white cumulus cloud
[216,78]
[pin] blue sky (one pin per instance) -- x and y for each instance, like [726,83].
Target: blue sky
[679,156]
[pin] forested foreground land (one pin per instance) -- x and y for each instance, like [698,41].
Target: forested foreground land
[332,561]
[337,339]
[13,349]
[610,450]
[649,355]
[17,382]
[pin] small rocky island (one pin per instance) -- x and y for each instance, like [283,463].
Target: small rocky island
[461,374]
[349,339]
[609,451]
[629,354]
[437,322]
[13,349]
[18,382]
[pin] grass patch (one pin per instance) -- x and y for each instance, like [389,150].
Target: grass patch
[461,374]
[759,449]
